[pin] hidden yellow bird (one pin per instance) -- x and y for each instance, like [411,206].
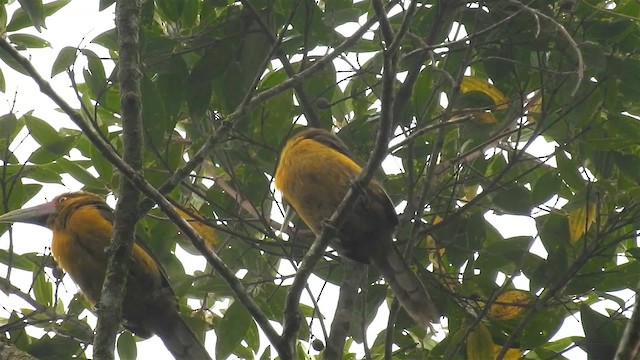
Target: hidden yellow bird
[314,174]
[82,225]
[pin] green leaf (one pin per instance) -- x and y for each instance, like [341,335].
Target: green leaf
[35,11]
[514,200]
[105,4]
[52,145]
[546,187]
[8,129]
[108,39]
[53,150]
[170,9]
[43,173]
[3,18]
[190,12]
[602,334]
[253,337]
[101,164]
[3,85]
[542,326]
[28,41]
[17,261]
[199,82]
[266,355]
[232,329]
[22,19]
[79,173]
[569,170]
[95,64]
[66,58]
[59,347]
[9,60]
[127,348]
[42,132]
[42,289]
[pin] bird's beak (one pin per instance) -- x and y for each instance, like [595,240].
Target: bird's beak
[38,214]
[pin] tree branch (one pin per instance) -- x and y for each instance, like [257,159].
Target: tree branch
[154,194]
[227,124]
[329,230]
[629,347]
[10,352]
[125,218]
[341,323]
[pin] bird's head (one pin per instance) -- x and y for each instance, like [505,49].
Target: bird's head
[48,213]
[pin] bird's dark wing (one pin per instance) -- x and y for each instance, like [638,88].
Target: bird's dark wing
[108,214]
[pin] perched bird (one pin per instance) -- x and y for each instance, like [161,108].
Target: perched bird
[82,225]
[314,174]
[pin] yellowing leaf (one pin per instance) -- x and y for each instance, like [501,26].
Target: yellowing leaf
[198,223]
[480,344]
[511,354]
[580,221]
[535,106]
[534,109]
[509,305]
[470,192]
[429,243]
[472,83]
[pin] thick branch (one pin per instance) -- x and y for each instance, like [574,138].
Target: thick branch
[341,323]
[129,75]
[10,352]
[385,26]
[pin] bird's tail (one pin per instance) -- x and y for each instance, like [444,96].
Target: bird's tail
[180,339]
[406,286]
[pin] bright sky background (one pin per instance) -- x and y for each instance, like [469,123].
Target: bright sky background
[76,25]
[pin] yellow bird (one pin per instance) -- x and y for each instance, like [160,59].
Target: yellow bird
[314,174]
[82,225]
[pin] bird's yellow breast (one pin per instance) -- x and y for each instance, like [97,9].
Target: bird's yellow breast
[314,178]
[79,248]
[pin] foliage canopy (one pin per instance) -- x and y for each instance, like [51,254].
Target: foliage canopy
[481,90]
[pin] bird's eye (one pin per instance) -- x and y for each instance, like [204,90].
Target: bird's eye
[62,199]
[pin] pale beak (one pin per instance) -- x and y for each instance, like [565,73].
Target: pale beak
[37,215]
